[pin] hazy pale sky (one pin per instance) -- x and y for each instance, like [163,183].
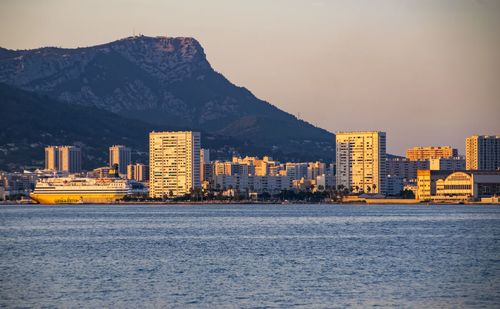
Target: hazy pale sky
[425,71]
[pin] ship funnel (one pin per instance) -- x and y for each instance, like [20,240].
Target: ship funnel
[113,171]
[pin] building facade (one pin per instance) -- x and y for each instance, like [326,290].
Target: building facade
[405,168]
[16,184]
[426,183]
[482,152]
[251,183]
[121,155]
[174,163]
[361,161]
[457,185]
[52,158]
[204,164]
[447,164]
[63,159]
[427,153]
[138,172]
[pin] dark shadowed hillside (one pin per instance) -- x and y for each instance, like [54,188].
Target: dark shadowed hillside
[30,121]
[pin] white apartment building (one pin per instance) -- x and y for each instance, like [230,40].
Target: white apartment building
[174,163]
[361,161]
[259,184]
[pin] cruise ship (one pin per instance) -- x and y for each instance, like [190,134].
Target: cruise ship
[74,190]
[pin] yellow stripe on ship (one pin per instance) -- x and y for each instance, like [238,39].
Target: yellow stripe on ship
[92,198]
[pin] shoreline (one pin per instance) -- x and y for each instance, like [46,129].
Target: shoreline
[373,202]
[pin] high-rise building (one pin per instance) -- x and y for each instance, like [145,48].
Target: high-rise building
[361,161]
[426,153]
[52,158]
[70,159]
[482,152]
[174,163]
[63,158]
[121,155]
[138,172]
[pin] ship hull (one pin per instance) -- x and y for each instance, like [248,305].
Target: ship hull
[73,198]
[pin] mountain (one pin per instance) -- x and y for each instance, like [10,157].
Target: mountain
[165,82]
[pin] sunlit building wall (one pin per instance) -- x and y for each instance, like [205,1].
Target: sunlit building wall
[52,158]
[426,153]
[63,158]
[361,161]
[138,172]
[457,186]
[174,163]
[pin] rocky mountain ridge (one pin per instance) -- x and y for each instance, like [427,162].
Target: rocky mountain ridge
[162,81]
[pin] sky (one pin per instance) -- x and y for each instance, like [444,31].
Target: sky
[427,72]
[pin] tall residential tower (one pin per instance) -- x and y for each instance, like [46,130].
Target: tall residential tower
[482,152]
[63,158]
[174,163]
[361,161]
[121,155]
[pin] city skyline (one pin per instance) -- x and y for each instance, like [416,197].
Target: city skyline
[326,65]
[266,153]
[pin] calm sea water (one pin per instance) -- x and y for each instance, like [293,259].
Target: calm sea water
[250,256]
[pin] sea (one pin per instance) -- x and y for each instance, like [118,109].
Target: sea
[250,256]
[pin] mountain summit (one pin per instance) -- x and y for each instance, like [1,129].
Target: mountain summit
[168,82]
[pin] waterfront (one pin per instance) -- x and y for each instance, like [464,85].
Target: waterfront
[249,256]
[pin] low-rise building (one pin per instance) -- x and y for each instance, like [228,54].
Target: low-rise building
[457,185]
[250,183]
[405,168]
[468,185]
[394,185]
[16,183]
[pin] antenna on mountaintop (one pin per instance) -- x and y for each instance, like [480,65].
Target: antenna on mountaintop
[133,31]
